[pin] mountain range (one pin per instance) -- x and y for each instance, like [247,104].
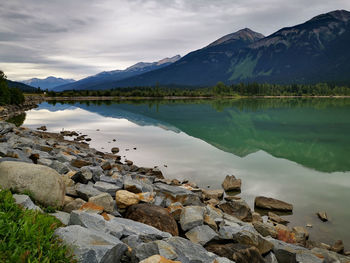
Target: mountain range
[312,52]
[47,83]
[106,79]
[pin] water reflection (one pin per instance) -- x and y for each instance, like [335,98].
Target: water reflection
[311,132]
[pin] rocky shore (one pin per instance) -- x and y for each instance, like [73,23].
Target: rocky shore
[119,212]
[10,111]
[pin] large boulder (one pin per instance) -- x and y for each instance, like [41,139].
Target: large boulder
[239,209]
[272,204]
[92,246]
[153,215]
[44,183]
[231,183]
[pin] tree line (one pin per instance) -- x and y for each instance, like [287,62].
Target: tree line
[220,89]
[9,95]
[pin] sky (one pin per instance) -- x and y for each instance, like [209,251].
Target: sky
[79,38]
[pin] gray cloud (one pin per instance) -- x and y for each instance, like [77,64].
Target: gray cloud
[83,37]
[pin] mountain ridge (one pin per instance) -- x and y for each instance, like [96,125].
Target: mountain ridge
[47,83]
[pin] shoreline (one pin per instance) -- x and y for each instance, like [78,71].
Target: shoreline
[88,173]
[93,98]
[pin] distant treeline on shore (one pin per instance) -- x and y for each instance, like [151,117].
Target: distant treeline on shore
[9,95]
[241,89]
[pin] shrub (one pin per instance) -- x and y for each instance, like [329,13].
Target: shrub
[27,236]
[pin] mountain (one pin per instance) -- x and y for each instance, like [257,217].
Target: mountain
[202,67]
[315,51]
[106,79]
[48,83]
[23,87]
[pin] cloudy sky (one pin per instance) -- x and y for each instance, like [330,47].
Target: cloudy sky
[77,38]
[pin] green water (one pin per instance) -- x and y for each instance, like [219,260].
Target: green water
[296,150]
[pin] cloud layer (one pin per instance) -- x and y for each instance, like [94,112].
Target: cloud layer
[74,39]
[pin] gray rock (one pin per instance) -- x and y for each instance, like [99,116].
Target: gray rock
[6,127]
[85,191]
[105,200]
[73,205]
[237,208]
[231,183]
[62,216]
[270,258]
[107,187]
[112,180]
[26,202]
[188,252]
[201,234]
[330,256]
[227,232]
[90,246]
[191,216]
[44,183]
[265,229]
[97,172]
[131,227]
[61,168]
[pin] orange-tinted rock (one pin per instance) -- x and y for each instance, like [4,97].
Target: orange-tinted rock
[91,208]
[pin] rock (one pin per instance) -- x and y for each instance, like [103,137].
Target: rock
[85,191]
[78,177]
[338,247]
[115,150]
[6,127]
[285,252]
[270,258]
[237,251]
[231,183]
[153,215]
[248,255]
[301,234]
[112,180]
[79,163]
[106,166]
[187,251]
[62,216]
[323,216]
[191,216]
[330,256]
[125,199]
[175,210]
[201,234]
[208,220]
[172,194]
[73,205]
[213,194]
[25,202]
[67,199]
[156,173]
[42,182]
[158,259]
[130,227]
[251,239]
[91,208]
[107,187]
[91,246]
[265,229]
[257,217]
[239,209]
[277,219]
[284,234]
[61,168]
[104,200]
[272,204]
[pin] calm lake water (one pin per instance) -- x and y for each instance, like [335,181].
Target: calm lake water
[296,150]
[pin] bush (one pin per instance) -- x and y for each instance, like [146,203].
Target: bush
[27,236]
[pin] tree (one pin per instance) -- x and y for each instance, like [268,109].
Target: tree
[4,90]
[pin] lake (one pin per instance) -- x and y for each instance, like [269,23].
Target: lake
[296,150]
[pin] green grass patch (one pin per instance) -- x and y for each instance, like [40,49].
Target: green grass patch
[27,236]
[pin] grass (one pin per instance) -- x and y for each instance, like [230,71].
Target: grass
[27,236]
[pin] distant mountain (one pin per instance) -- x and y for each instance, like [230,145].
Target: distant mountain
[203,67]
[23,87]
[315,51]
[48,83]
[106,79]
